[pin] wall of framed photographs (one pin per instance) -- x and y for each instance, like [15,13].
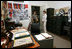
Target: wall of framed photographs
[18,11]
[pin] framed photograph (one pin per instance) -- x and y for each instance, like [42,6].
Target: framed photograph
[9,5]
[15,6]
[25,6]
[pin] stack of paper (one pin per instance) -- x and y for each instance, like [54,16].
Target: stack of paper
[22,41]
[40,37]
[46,35]
[43,36]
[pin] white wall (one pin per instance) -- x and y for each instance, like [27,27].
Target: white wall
[59,4]
[37,3]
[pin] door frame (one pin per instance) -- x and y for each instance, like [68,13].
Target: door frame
[39,13]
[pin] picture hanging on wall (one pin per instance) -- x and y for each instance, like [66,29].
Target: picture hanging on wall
[25,6]
[61,12]
[10,13]
[15,6]
[9,5]
[26,11]
[26,14]
[19,6]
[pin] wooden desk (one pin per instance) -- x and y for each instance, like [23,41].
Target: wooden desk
[36,45]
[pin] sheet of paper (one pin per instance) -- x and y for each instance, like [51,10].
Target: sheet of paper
[22,34]
[28,40]
[22,30]
[40,37]
[46,35]
[22,41]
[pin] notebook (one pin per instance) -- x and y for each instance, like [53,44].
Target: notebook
[40,37]
[46,35]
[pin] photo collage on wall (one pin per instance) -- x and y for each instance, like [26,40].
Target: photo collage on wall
[19,12]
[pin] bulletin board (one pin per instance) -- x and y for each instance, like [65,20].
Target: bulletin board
[18,11]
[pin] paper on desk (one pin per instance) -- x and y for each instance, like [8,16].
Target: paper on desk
[19,30]
[22,34]
[46,35]
[22,41]
[40,37]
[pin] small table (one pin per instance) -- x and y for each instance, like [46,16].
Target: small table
[47,43]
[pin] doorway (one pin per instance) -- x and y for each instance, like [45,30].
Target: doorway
[37,9]
[35,27]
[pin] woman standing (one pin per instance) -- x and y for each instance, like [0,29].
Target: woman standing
[44,20]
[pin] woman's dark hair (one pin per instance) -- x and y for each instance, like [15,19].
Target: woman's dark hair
[44,11]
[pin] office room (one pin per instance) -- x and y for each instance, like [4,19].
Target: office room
[35,24]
